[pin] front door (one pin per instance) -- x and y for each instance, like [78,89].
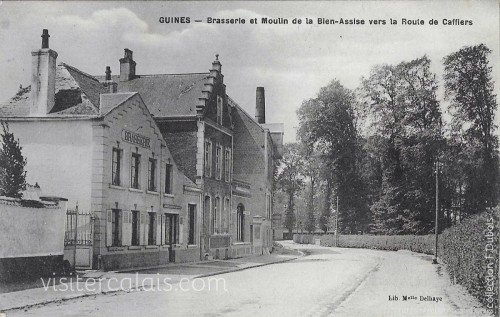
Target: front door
[171,221]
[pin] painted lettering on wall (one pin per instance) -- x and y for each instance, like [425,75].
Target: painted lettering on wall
[135,138]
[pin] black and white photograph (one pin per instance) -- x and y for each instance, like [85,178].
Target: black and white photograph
[249,158]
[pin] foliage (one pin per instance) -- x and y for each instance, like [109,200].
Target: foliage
[290,180]
[328,126]
[12,163]
[407,123]
[470,250]
[469,88]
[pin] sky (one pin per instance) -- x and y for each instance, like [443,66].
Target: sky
[291,61]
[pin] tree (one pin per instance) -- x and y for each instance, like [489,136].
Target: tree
[311,169]
[328,126]
[469,88]
[289,180]
[12,163]
[408,124]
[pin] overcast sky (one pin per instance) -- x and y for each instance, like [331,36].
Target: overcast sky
[291,61]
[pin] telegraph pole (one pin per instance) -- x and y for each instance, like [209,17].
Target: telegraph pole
[434,261]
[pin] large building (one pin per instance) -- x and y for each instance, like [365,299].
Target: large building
[171,168]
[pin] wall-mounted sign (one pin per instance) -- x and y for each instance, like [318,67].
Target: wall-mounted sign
[135,138]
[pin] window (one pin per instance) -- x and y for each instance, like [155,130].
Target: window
[227,165]
[218,162]
[219,109]
[208,158]
[268,206]
[135,227]
[168,178]
[152,175]
[225,219]
[215,216]
[134,170]
[192,219]
[116,167]
[171,223]
[115,227]
[240,223]
[151,228]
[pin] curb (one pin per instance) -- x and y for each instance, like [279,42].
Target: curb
[139,288]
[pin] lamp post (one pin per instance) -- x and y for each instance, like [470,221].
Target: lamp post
[337,221]
[435,261]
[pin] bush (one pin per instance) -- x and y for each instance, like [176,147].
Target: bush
[470,251]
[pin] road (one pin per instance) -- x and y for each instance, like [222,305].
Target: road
[325,282]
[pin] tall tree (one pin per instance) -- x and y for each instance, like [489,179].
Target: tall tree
[12,163]
[290,180]
[311,167]
[328,125]
[469,88]
[407,121]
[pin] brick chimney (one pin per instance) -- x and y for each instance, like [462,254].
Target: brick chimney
[127,66]
[43,78]
[109,84]
[260,105]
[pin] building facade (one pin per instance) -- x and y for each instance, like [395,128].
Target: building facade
[104,152]
[171,168]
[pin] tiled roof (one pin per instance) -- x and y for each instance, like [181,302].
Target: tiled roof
[167,95]
[76,93]
[111,101]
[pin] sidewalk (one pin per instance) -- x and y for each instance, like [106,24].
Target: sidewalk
[94,283]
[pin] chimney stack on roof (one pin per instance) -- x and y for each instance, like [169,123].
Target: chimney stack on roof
[43,78]
[110,85]
[108,73]
[260,105]
[127,66]
[45,38]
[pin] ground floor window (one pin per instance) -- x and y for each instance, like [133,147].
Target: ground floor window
[240,223]
[215,216]
[171,228]
[135,227]
[115,227]
[151,228]
[191,228]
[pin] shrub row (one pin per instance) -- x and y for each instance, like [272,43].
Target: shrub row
[470,250]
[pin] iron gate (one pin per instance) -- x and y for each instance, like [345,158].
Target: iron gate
[79,238]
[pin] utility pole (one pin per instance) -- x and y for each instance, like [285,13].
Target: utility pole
[337,221]
[434,261]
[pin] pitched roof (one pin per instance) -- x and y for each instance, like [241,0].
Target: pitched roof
[76,93]
[166,95]
[111,101]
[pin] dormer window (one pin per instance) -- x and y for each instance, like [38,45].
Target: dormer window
[219,109]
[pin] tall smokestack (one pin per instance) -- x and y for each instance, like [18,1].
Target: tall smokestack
[43,78]
[260,105]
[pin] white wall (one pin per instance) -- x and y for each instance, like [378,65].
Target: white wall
[59,155]
[27,232]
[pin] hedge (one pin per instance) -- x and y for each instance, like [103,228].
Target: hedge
[469,249]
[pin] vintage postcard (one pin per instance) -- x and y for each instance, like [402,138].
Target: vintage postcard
[249,158]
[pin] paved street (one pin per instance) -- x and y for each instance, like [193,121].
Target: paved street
[324,282]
